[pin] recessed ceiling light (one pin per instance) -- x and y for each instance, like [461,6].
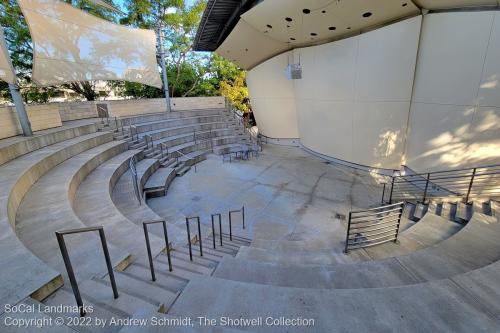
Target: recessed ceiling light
[332,28]
[288,19]
[323,11]
[367,14]
[306,11]
[269,26]
[313,34]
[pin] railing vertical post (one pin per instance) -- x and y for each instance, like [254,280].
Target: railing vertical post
[399,222]
[230,228]
[199,236]
[470,185]
[150,256]
[167,244]
[213,231]
[243,215]
[383,194]
[189,239]
[108,262]
[71,273]
[392,189]
[348,231]
[426,187]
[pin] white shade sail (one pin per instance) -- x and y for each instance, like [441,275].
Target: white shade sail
[70,45]
[6,69]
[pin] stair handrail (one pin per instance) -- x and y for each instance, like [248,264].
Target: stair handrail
[133,171]
[188,231]
[383,220]
[145,225]
[461,183]
[69,267]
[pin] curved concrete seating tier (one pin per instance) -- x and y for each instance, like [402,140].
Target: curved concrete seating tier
[47,208]
[18,146]
[125,200]
[442,306]
[176,122]
[94,206]
[152,117]
[16,178]
[171,133]
[475,246]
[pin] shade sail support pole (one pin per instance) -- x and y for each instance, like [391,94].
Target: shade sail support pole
[20,109]
[164,68]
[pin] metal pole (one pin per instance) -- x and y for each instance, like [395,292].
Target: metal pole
[213,230]
[470,185]
[189,239]
[348,230]
[108,262]
[383,194]
[168,246]
[71,273]
[243,215]
[220,228]
[399,222]
[199,236]
[230,228]
[20,109]
[426,186]
[150,256]
[392,188]
[164,68]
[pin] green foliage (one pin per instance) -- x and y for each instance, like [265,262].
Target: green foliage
[189,73]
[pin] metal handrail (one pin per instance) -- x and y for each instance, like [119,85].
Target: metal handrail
[135,181]
[148,246]
[231,212]
[189,236]
[69,268]
[220,228]
[459,183]
[389,221]
[177,159]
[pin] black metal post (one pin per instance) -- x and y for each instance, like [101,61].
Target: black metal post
[148,247]
[470,185]
[230,227]
[348,231]
[71,273]
[399,222]
[213,231]
[383,194]
[108,262]
[199,236]
[189,239]
[426,186]
[243,215]
[69,267]
[165,234]
[392,189]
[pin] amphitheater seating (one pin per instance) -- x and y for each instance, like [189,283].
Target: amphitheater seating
[447,260]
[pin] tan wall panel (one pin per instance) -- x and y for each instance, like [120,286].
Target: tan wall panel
[41,117]
[272,98]
[454,120]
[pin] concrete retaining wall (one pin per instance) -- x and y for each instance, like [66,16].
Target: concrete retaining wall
[44,116]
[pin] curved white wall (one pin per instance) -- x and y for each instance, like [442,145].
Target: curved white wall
[355,99]
[273,99]
[455,112]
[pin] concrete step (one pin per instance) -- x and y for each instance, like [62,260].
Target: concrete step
[144,289]
[171,281]
[49,204]
[420,210]
[463,212]
[182,170]
[16,179]
[94,206]
[444,306]
[449,210]
[158,182]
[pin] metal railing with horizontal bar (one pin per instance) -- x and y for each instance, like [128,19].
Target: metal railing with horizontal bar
[180,154]
[220,228]
[189,236]
[231,212]
[462,184]
[373,226]
[69,268]
[135,182]
[148,246]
